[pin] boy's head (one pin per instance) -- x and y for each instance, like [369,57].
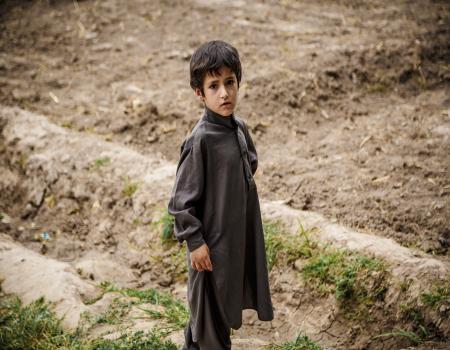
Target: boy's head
[216,73]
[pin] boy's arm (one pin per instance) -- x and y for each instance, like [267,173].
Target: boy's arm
[253,155]
[187,190]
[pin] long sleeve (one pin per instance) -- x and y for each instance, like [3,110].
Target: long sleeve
[253,155]
[186,194]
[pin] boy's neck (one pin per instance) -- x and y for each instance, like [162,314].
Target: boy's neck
[216,118]
[210,111]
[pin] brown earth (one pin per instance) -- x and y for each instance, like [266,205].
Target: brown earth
[348,103]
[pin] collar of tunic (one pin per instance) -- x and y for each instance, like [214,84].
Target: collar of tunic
[213,117]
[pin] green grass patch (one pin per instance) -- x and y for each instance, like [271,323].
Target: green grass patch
[356,280]
[99,162]
[175,314]
[165,224]
[36,326]
[129,187]
[115,314]
[378,87]
[411,336]
[350,276]
[302,342]
[439,294]
[284,248]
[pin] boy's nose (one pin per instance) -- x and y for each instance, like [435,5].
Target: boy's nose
[223,92]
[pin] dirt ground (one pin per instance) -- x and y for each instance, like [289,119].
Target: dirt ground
[348,103]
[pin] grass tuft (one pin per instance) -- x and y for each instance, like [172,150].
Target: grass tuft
[413,337]
[284,248]
[166,225]
[302,342]
[439,294]
[129,187]
[99,162]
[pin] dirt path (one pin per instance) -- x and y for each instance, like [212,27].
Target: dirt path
[348,103]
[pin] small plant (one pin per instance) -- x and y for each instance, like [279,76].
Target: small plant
[166,224]
[302,342]
[22,161]
[67,124]
[98,163]
[439,294]
[413,337]
[282,247]
[378,87]
[116,311]
[129,188]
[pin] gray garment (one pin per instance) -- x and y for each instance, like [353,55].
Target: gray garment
[215,201]
[215,332]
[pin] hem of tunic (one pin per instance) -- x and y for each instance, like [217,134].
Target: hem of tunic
[261,317]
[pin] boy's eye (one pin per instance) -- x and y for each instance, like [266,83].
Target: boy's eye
[230,82]
[213,86]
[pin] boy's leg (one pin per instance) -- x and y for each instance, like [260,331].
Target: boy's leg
[216,333]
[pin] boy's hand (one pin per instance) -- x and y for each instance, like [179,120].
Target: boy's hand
[200,258]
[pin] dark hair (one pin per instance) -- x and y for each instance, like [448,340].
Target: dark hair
[209,58]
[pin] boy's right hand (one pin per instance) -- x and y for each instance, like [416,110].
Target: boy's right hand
[200,258]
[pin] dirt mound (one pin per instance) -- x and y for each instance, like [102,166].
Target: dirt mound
[31,275]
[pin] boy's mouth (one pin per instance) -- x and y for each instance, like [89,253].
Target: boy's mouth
[226,103]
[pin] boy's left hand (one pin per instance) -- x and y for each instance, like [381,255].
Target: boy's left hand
[200,259]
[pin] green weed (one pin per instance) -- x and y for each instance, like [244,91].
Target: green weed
[302,342]
[439,294]
[351,276]
[416,339]
[378,87]
[166,225]
[115,313]
[22,161]
[175,313]
[30,327]
[284,248]
[98,163]
[129,188]
[35,326]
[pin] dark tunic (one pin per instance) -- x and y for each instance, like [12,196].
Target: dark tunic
[215,201]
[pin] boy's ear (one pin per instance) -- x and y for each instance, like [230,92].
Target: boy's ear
[199,94]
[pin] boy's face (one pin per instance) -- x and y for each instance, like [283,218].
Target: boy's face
[220,91]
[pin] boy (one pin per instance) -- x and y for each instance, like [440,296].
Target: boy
[216,207]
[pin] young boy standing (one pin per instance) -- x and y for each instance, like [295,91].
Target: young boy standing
[215,205]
